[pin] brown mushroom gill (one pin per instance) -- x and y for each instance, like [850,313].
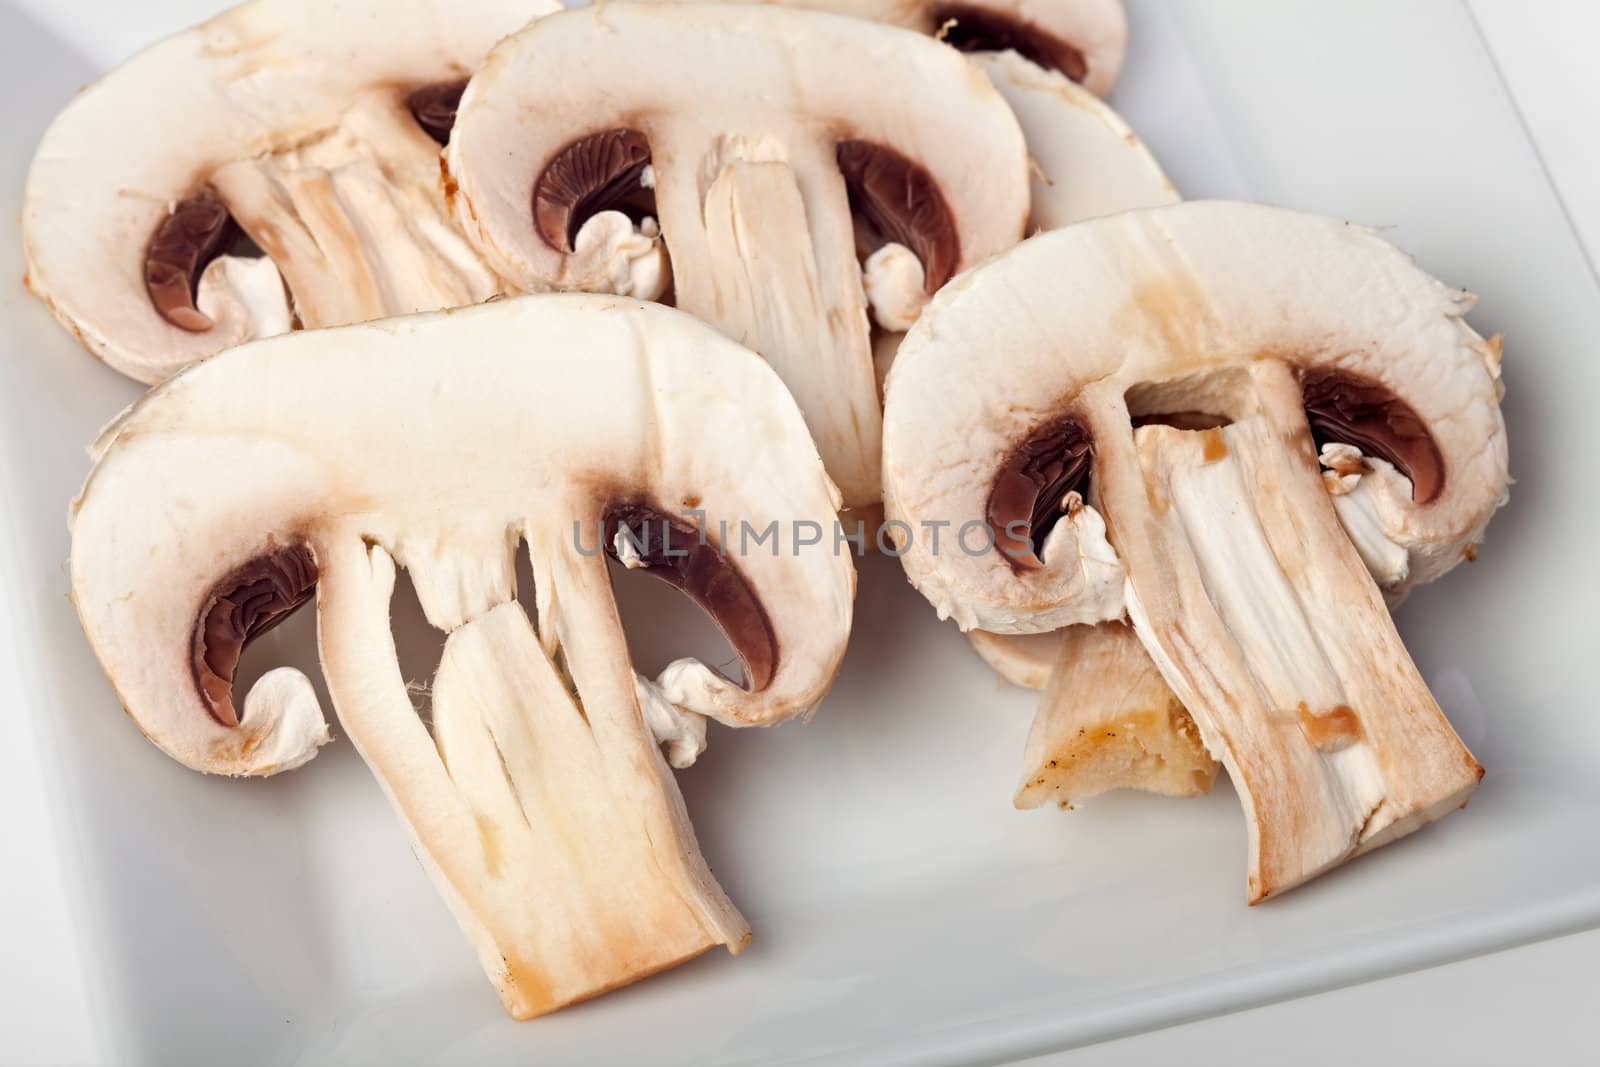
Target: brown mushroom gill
[434,107]
[600,172]
[195,232]
[969,28]
[1345,408]
[1035,478]
[675,552]
[900,199]
[246,603]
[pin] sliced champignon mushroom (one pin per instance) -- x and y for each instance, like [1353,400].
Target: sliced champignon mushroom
[537,794]
[313,129]
[1182,341]
[1084,40]
[750,133]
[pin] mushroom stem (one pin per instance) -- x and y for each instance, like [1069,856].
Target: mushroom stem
[1108,721]
[769,255]
[355,238]
[534,813]
[1262,618]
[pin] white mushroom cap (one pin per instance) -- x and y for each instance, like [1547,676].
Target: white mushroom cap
[1088,162]
[257,79]
[1082,39]
[1144,301]
[534,789]
[442,439]
[742,123]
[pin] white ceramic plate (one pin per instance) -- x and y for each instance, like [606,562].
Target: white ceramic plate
[904,913]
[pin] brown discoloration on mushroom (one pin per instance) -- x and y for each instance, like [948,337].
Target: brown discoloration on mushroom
[898,197]
[1331,730]
[195,232]
[596,173]
[688,559]
[489,838]
[1054,460]
[1351,409]
[970,28]
[539,996]
[249,601]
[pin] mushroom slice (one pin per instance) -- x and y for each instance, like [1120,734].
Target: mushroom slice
[1084,40]
[1086,163]
[751,135]
[537,795]
[1163,358]
[1109,721]
[312,129]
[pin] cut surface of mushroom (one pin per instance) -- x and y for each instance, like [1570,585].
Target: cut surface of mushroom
[1085,163]
[1182,340]
[1109,721]
[537,794]
[313,130]
[1082,40]
[753,144]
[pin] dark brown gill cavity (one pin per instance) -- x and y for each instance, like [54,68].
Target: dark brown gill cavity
[434,107]
[194,233]
[676,552]
[1349,409]
[977,30]
[899,198]
[245,604]
[600,172]
[1025,499]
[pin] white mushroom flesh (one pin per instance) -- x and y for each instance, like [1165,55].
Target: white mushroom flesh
[1189,355]
[538,798]
[1083,40]
[754,137]
[245,293]
[356,221]
[311,128]
[1108,721]
[1279,644]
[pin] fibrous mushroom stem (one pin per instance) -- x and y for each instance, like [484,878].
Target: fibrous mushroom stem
[538,811]
[769,255]
[551,825]
[1108,720]
[1265,623]
[355,219]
